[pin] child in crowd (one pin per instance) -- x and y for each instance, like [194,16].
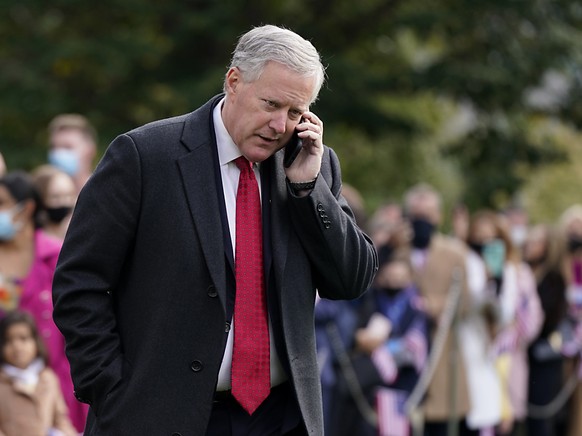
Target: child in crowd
[393,333]
[31,401]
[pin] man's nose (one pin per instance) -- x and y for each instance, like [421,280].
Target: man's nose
[278,122]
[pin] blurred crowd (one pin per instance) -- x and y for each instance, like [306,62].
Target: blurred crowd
[476,331]
[36,390]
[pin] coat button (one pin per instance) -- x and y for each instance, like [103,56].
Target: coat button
[227,327]
[212,292]
[196,366]
[320,207]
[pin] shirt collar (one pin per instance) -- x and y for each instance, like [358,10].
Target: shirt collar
[228,151]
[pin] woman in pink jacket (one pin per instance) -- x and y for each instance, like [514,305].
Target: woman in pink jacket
[27,262]
[514,312]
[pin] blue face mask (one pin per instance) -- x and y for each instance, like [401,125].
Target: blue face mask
[494,256]
[65,160]
[8,228]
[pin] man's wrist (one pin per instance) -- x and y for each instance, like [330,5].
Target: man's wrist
[297,187]
[302,186]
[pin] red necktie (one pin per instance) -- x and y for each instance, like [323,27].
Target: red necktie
[250,372]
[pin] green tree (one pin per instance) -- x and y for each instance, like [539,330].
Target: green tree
[433,90]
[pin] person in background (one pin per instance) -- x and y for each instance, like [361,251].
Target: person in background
[570,230]
[2,165]
[58,195]
[72,146]
[438,263]
[28,257]
[544,251]
[515,316]
[460,221]
[356,203]
[340,315]
[188,278]
[393,332]
[518,224]
[389,230]
[476,342]
[31,401]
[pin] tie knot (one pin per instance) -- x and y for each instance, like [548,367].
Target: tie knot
[243,163]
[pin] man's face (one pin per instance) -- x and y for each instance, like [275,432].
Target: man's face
[484,231]
[425,206]
[72,140]
[260,116]
[61,191]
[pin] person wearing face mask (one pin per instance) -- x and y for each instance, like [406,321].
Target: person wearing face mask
[570,230]
[28,257]
[512,310]
[436,259]
[58,194]
[72,146]
[392,335]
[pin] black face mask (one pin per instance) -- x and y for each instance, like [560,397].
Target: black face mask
[57,214]
[476,247]
[391,291]
[423,231]
[384,253]
[574,243]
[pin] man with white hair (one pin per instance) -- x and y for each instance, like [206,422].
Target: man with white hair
[187,281]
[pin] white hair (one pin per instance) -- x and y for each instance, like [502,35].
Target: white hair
[269,43]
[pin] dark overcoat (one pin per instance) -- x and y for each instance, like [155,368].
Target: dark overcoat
[143,281]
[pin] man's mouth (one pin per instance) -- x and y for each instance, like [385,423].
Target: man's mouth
[267,139]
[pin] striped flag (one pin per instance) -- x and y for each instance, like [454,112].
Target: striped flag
[416,343]
[384,363]
[392,419]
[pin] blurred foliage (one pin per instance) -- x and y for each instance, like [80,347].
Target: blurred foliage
[452,92]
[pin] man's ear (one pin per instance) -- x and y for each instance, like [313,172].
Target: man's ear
[233,79]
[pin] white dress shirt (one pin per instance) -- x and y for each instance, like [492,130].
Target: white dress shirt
[227,153]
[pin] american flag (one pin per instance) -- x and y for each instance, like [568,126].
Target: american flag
[392,419]
[384,363]
[416,343]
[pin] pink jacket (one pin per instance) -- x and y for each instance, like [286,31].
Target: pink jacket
[527,321]
[36,298]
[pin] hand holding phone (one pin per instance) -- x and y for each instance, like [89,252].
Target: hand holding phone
[293,148]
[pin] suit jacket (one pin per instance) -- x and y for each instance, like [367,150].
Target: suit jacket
[142,284]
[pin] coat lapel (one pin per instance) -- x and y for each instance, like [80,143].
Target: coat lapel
[279,215]
[198,176]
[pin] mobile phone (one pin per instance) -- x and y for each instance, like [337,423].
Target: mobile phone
[292,148]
